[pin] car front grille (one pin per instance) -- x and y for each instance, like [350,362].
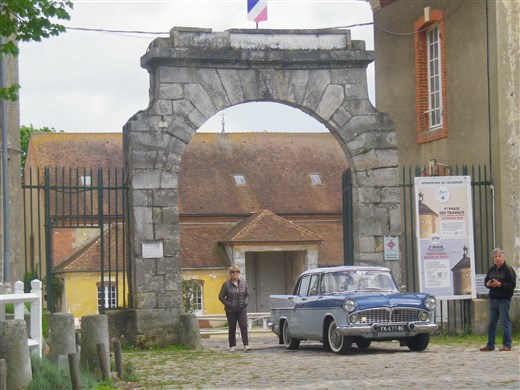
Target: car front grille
[388,316]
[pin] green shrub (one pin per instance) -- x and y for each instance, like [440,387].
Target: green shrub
[48,376]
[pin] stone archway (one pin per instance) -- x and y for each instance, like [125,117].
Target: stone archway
[196,73]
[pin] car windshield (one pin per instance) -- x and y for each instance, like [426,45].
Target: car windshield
[361,280]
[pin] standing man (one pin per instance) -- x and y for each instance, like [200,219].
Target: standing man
[235,297]
[501,281]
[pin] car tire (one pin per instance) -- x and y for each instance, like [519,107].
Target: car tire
[289,341]
[337,342]
[419,342]
[363,343]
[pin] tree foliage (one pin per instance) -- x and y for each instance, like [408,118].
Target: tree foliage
[25,134]
[25,21]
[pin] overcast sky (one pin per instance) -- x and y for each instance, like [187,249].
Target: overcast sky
[92,82]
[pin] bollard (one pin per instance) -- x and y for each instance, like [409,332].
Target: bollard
[94,330]
[74,371]
[14,348]
[63,336]
[190,332]
[3,375]
[118,356]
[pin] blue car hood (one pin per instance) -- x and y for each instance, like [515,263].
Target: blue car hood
[366,300]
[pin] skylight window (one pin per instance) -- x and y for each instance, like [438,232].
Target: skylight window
[315,179]
[240,180]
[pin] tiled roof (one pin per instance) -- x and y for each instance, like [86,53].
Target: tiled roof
[88,258]
[270,228]
[76,150]
[275,166]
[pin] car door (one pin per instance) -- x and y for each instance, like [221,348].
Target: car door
[307,307]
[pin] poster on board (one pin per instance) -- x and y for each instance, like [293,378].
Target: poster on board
[444,232]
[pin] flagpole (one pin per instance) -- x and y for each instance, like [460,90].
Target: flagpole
[257,25]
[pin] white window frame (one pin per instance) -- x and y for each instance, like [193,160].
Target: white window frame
[86,181]
[240,180]
[110,299]
[197,298]
[434,66]
[315,179]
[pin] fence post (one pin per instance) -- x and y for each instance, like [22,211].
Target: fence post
[36,315]
[19,307]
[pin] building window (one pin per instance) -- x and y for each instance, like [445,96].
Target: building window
[240,180]
[434,78]
[315,179]
[109,301]
[430,71]
[192,296]
[86,181]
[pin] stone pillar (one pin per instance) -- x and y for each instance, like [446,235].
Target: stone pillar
[311,258]
[14,349]
[94,330]
[190,332]
[479,316]
[63,336]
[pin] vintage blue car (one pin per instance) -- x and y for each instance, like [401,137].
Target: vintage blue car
[343,305]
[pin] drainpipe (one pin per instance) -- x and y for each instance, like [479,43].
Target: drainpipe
[5,173]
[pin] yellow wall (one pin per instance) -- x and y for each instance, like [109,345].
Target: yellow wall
[80,292]
[212,281]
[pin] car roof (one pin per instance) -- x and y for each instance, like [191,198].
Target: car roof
[345,268]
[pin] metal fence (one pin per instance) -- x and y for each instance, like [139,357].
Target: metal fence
[67,209]
[453,315]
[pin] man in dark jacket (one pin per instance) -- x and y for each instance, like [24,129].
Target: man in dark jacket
[501,281]
[235,297]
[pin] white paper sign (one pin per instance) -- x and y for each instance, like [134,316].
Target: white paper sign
[152,249]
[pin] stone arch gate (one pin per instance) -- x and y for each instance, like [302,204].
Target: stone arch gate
[194,74]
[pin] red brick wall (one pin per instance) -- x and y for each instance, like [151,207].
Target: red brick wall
[421,75]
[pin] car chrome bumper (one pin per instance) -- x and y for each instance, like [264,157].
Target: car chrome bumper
[358,330]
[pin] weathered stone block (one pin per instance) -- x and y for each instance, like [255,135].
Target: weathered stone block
[166,197]
[170,299]
[232,85]
[379,177]
[142,215]
[318,81]
[170,214]
[366,244]
[140,198]
[170,91]
[330,102]
[372,227]
[146,179]
[369,195]
[249,84]
[298,85]
[161,107]
[143,159]
[210,81]
[390,195]
[166,230]
[340,117]
[145,300]
[177,75]
[200,99]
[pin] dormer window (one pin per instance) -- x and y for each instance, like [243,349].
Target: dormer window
[240,180]
[86,181]
[315,179]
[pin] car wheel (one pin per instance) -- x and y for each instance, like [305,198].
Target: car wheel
[337,342]
[289,341]
[419,342]
[363,343]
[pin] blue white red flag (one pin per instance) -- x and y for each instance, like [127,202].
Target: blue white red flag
[257,10]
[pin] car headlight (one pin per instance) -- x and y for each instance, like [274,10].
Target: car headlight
[429,302]
[349,304]
[424,316]
[354,318]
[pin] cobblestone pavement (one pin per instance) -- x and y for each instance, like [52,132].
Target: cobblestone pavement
[384,365]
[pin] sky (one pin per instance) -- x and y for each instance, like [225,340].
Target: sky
[85,81]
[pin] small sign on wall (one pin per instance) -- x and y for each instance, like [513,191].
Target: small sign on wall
[152,249]
[391,248]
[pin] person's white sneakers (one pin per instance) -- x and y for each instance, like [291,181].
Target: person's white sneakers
[232,349]
[247,348]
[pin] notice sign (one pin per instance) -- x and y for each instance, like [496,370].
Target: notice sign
[152,249]
[391,248]
[444,231]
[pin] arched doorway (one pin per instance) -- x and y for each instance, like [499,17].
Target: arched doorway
[196,73]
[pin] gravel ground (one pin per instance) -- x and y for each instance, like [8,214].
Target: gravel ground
[268,365]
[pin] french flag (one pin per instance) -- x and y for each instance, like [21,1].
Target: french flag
[257,10]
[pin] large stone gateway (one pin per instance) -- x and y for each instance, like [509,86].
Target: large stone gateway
[196,73]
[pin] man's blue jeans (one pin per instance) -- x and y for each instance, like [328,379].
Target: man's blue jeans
[499,308]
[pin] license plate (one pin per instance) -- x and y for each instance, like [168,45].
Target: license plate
[392,328]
